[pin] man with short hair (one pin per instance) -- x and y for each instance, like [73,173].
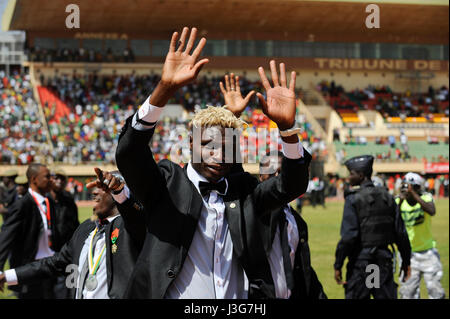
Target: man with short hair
[29,233]
[370,224]
[417,208]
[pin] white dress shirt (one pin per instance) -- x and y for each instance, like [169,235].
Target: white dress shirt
[101,291]
[276,255]
[210,270]
[43,248]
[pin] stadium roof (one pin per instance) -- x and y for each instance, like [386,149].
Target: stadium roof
[406,21]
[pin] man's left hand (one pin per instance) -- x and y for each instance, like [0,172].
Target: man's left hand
[232,95]
[280,103]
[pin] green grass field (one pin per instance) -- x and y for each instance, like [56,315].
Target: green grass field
[324,225]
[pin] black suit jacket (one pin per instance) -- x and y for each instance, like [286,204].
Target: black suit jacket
[173,205]
[19,235]
[66,216]
[306,283]
[119,264]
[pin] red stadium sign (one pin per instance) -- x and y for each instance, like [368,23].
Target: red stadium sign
[436,167]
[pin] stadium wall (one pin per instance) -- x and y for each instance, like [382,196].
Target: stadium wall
[398,80]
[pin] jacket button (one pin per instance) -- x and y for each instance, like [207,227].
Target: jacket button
[170,273]
[302,240]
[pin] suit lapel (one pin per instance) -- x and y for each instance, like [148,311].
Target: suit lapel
[234,218]
[109,259]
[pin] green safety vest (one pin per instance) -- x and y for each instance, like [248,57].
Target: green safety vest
[418,224]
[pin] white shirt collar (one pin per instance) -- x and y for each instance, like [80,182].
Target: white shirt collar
[110,219]
[195,178]
[38,196]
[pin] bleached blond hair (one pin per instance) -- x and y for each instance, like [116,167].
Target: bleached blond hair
[216,116]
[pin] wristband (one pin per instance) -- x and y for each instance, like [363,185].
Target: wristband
[289,132]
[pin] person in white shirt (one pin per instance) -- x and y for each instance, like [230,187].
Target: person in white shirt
[29,233]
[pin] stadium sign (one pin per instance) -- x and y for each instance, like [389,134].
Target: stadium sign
[101,35]
[436,168]
[381,64]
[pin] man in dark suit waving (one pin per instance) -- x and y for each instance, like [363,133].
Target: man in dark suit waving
[199,218]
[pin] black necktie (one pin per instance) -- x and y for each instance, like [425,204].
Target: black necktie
[206,188]
[286,249]
[85,270]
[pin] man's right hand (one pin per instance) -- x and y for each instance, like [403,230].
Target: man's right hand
[106,181]
[406,271]
[180,67]
[338,277]
[2,281]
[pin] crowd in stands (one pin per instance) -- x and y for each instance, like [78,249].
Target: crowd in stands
[99,106]
[387,102]
[22,139]
[36,54]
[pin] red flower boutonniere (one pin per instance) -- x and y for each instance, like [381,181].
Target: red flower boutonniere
[114,236]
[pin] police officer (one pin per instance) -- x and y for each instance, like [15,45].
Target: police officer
[8,193]
[371,222]
[22,186]
[417,208]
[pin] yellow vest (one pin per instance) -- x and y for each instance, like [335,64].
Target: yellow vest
[418,224]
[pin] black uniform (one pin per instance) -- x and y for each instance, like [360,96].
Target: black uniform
[7,198]
[371,222]
[66,222]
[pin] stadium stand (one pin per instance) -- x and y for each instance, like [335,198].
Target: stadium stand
[21,137]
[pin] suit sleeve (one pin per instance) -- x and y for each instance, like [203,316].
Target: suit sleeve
[10,230]
[136,164]
[316,289]
[401,236]
[349,233]
[278,191]
[134,221]
[47,267]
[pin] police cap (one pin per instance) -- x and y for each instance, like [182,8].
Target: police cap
[361,163]
[10,173]
[21,180]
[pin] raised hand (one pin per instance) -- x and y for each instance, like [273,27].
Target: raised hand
[280,103]
[180,67]
[232,95]
[106,181]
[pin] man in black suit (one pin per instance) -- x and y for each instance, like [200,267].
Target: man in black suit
[200,234]
[65,206]
[66,220]
[284,233]
[98,258]
[29,233]
[285,239]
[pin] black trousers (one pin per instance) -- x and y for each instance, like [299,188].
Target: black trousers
[41,290]
[363,281]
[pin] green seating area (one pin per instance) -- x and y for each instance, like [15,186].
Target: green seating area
[417,149]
